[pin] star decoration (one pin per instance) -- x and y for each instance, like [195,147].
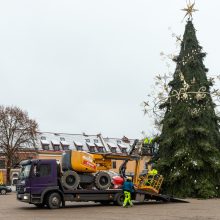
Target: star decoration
[146,103]
[178,39]
[189,9]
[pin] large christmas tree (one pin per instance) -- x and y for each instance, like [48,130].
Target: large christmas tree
[189,152]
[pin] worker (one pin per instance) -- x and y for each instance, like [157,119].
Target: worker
[153,171]
[128,188]
[152,174]
[148,140]
[148,146]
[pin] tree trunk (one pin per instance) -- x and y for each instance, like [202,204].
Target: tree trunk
[8,171]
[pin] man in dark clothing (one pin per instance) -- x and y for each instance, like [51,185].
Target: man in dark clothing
[128,188]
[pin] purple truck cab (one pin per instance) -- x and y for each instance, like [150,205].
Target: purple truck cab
[40,184]
[36,178]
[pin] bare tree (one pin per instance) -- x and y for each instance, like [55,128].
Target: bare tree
[17,131]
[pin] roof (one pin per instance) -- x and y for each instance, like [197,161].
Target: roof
[73,140]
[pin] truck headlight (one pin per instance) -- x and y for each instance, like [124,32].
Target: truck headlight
[26,197]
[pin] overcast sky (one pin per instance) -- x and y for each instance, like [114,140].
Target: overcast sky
[86,65]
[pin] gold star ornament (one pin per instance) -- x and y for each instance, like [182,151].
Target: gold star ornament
[189,10]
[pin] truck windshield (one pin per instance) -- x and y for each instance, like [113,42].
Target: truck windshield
[25,171]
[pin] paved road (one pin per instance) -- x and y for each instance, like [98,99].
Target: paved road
[11,209]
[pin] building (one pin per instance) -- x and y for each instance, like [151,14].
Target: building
[51,146]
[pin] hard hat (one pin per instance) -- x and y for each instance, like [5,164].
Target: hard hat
[129,178]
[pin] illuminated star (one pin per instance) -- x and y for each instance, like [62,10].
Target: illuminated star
[190,9]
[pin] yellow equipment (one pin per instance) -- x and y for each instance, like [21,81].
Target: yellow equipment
[150,183]
[85,170]
[83,162]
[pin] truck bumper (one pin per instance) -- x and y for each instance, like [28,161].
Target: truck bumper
[24,197]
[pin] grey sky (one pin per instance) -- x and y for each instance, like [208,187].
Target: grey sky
[86,65]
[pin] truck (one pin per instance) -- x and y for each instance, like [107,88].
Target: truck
[44,183]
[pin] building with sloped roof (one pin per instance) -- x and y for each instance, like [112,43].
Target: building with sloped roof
[52,145]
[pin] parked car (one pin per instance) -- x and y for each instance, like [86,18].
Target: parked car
[4,189]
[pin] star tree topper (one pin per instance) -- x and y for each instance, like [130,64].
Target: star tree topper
[189,9]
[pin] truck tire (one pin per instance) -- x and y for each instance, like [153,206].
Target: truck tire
[53,200]
[119,199]
[102,180]
[70,180]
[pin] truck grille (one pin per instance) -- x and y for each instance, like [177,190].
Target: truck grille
[20,188]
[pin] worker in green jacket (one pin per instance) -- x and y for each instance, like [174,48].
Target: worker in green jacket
[128,188]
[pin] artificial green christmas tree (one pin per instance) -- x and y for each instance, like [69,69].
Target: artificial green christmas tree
[189,145]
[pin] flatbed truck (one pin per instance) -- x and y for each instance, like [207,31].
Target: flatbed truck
[41,183]
[44,188]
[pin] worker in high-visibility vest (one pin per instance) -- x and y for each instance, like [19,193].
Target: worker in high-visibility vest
[128,188]
[148,140]
[151,174]
[147,146]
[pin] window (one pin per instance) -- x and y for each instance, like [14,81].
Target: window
[114,165]
[113,149]
[43,138]
[62,139]
[123,150]
[65,147]
[100,149]
[44,170]
[56,147]
[79,148]
[15,175]
[45,147]
[92,149]
[118,141]
[45,143]
[88,140]
[2,164]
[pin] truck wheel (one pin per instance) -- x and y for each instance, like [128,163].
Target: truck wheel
[3,192]
[119,199]
[70,180]
[102,180]
[54,201]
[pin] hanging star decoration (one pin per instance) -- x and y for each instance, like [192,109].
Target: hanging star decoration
[189,10]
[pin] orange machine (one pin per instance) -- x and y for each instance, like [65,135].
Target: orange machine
[82,161]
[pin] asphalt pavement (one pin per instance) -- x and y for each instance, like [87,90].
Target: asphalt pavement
[11,209]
